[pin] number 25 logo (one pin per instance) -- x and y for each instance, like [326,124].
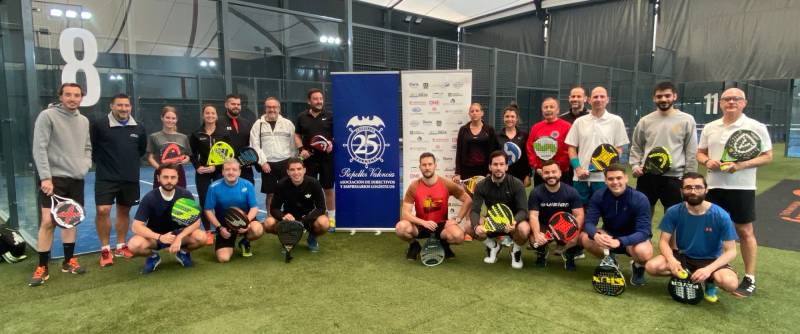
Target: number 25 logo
[66,45]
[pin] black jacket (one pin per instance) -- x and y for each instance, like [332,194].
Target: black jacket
[201,143]
[117,150]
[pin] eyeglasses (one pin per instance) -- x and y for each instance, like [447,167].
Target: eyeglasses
[693,188]
[732,99]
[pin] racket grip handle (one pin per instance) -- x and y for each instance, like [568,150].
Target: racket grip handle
[606,252]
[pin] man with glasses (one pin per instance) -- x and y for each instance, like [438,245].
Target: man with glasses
[705,240]
[732,185]
[272,136]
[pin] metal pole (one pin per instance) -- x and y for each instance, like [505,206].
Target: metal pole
[224,43]
[348,4]
[493,86]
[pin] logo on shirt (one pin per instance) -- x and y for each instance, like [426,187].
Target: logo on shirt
[133,135]
[308,195]
[366,144]
[324,118]
[430,205]
[244,190]
[554,134]
[708,229]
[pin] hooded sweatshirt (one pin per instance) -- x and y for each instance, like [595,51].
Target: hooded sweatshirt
[61,143]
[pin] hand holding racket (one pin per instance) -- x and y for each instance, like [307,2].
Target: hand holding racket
[658,161]
[432,253]
[499,218]
[289,234]
[219,152]
[683,289]
[235,220]
[607,278]
[562,226]
[66,212]
[742,145]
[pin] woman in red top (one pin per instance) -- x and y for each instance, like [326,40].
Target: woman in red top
[553,127]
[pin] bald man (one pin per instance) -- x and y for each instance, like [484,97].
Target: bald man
[734,189]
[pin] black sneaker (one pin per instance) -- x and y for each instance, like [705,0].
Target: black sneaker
[569,259]
[448,253]
[541,256]
[637,275]
[746,288]
[413,251]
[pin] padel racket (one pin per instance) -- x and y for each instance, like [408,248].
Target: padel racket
[658,161]
[185,212]
[67,213]
[247,156]
[607,279]
[545,147]
[470,183]
[235,219]
[603,156]
[562,226]
[513,152]
[432,253]
[172,153]
[289,234]
[742,145]
[498,217]
[684,290]
[320,143]
[219,152]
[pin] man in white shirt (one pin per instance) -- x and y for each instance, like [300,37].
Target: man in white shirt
[272,136]
[588,132]
[734,188]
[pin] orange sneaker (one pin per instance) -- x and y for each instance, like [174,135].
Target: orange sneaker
[72,267]
[123,251]
[209,238]
[467,237]
[106,259]
[39,276]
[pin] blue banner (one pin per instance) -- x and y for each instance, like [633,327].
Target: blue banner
[366,132]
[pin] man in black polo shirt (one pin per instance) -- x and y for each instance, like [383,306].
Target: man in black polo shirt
[299,197]
[577,105]
[312,122]
[119,143]
[237,128]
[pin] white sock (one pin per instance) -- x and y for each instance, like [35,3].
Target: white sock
[637,265]
[516,248]
[332,214]
[752,277]
[489,242]
[106,247]
[119,246]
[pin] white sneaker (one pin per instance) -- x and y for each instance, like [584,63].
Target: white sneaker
[492,248]
[516,257]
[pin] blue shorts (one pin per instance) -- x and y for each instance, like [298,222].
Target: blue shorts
[586,189]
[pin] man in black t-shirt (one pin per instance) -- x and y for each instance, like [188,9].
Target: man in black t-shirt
[237,128]
[310,123]
[544,201]
[299,197]
[154,229]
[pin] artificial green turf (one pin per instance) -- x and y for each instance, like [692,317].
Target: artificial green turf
[363,283]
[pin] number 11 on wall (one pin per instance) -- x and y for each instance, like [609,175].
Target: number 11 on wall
[712,103]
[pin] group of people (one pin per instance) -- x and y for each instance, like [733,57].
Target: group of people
[297,177]
[704,214]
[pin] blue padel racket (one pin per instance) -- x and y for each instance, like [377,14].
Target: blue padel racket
[247,156]
[513,152]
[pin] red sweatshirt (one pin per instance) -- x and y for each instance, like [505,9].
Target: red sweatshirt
[558,130]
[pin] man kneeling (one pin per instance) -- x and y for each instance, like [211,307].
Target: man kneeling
[154,228]
[428,196]
[705,240]
[226,194]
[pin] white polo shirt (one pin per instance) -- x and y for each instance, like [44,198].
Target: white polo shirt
[589,131]
[714,137]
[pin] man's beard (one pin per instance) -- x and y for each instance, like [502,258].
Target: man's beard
[428,175]
[695,200]
[664,106]
[547,180]
[234,112]
[168,187]
[316,109]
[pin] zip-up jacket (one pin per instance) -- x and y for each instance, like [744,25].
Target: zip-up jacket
[626,218]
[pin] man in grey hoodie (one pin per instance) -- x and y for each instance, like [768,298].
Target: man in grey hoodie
[62,152]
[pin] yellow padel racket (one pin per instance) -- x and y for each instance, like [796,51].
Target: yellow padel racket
[219,152]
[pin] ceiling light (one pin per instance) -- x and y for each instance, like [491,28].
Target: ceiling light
[418,20]
[56,12]
[408,18]
[323,39]
[203,63]
[337,41]
[71,14]
[86,15]
[212,63]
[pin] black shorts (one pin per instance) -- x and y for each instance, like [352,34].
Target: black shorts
[667,189]
[269,181]
[740,204]
[694,264]
[424,233]
[220,242]
[320,166]
[470,171]
[123,193]
[64,187]
[308,221]
[621,250]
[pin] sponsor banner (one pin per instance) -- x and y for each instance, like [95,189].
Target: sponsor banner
[367,152]
[435,105]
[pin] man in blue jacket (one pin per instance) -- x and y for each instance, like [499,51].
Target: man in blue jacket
[626,222]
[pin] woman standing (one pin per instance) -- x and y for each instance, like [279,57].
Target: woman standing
[201,141]
[511,133]
[476,140]
[160,140]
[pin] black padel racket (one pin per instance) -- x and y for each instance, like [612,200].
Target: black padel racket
[289,234]
[658,161]
[603,156]
[607,279]
[742,145]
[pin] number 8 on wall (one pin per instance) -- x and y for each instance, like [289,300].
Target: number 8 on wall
[66,45]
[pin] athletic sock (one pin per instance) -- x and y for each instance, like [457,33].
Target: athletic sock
[751,277]
[106,247]
[490,242]
[120,246]
[637,264]
[43,258]
[332,214]
[69,251]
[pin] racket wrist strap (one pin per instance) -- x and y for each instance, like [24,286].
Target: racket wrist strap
[575,163]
